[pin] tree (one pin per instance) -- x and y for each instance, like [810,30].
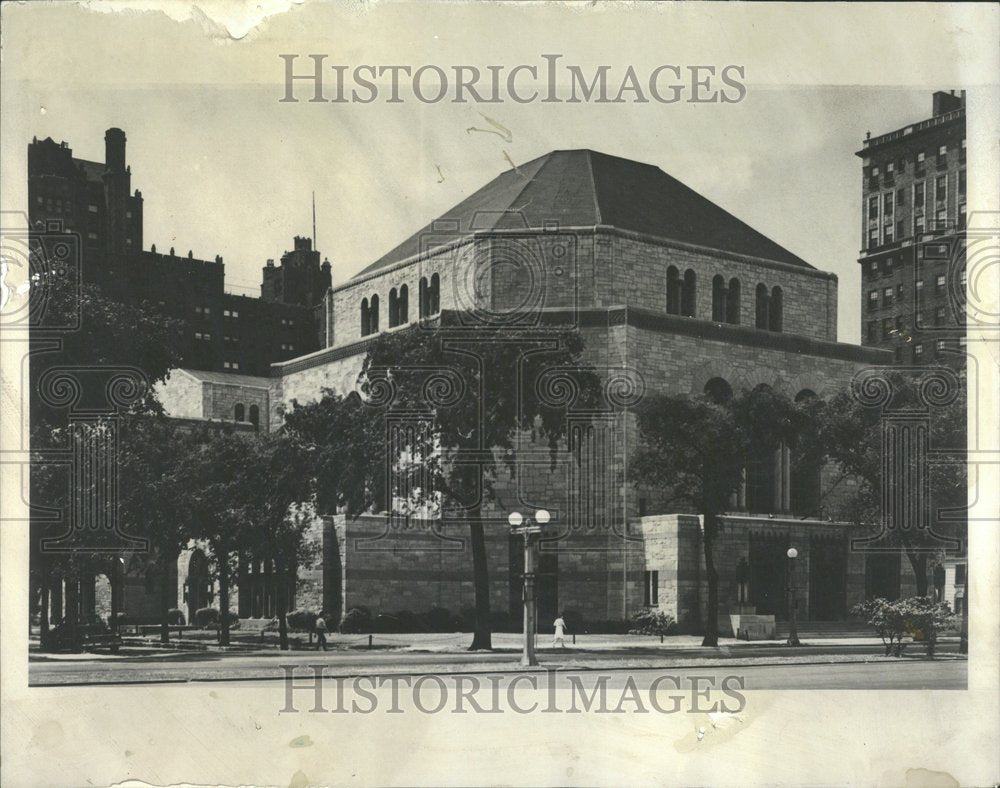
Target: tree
[278,481]
[108,334]
[219,485]
[697,447]
[156,498]
[851,432]
[476,391]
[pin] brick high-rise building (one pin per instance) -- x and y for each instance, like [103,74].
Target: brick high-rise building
[913,257]
[224,331]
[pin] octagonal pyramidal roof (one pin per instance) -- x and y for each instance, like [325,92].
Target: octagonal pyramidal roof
[584,188]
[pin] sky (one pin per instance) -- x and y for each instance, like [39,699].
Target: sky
[226,168]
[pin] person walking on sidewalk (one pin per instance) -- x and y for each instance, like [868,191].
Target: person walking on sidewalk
[560,626]
[320,632]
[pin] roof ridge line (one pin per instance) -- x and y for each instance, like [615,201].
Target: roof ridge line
[527,182]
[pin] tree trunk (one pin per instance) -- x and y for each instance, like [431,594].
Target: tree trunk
[165,598]
[482,637]
[282,606]
[918,562]
[223,559]
[712,607]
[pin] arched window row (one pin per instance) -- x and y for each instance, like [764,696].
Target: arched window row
[769,308]
[681,292]
[726,306]
[399,305]
[725,300]
[369,316]
[430,295]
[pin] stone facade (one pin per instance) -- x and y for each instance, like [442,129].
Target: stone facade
[606,537]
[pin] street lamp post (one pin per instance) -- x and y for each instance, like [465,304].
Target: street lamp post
[793,635]
[522,525]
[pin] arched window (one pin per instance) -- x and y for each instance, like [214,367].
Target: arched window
[435,294]
[238,412]
[373,316]
[688,294]
[404,306]
[718,298]
[422,297]
[673,291]
[733,302]
[805,472]
[255,415]
[774,310]
[365,317]
[762,321]
[719,391]
[393,308]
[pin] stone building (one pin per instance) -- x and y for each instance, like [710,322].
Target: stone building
[912,239]
[224,331]
[671,294]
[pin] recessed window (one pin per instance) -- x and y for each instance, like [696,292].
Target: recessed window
[873,267]
[887,296]
[962,341]
[918,351]
[872,298]
[92,208]
[651,594]
[939,345]
[873,207]
[939,282]
[943,150]
[918,195]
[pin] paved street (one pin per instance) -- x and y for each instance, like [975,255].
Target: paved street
[769,667]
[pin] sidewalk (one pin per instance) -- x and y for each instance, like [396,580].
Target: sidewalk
[507,646]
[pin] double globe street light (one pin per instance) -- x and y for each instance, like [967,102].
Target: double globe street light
[519,524]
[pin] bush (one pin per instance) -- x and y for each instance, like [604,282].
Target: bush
[302,620]
[385,622]
[357,621]
[208,618]
[917,616]
[176,617]
[440,619]
[408,621]
[652,622]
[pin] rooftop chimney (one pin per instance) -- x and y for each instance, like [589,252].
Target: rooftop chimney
[114,150]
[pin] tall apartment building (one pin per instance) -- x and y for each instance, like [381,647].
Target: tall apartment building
[224,332]
[913,254]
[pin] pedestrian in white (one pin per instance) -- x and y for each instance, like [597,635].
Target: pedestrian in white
[320,632]
[560,626]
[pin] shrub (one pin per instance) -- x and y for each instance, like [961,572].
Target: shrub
[925,619]
[440,619]
[409,621]
[918,616]
[357,621]
[208,618]
[176,616]
[385,622]
[652,622]
[302,620]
